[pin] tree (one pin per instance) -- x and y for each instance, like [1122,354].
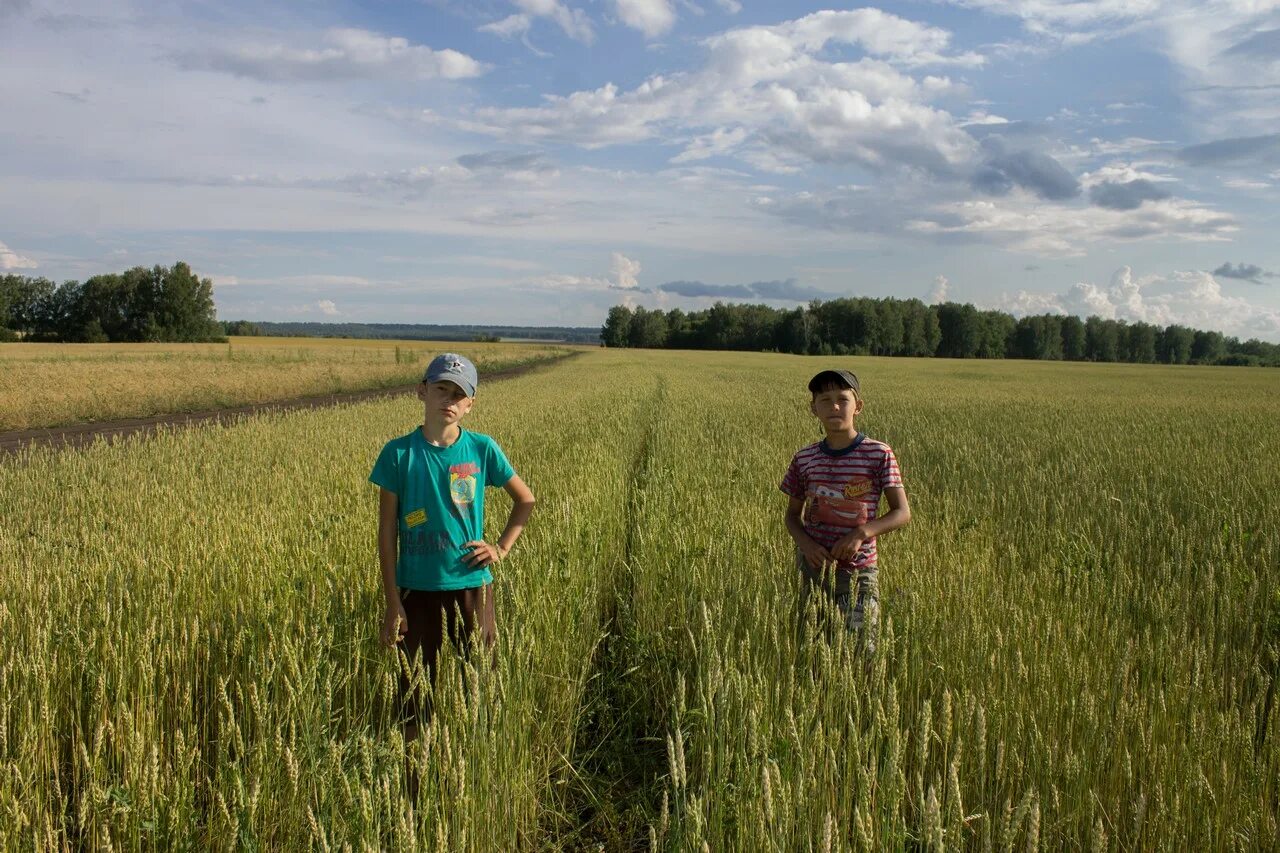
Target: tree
[793,333]
[1073,338]
[893,332]
[648,329]
[1102,339]
[245,329]
[617,327]
[995,335]
[1174,346]
[1208,347]
[186,305]
[961,330]
[1142,343]
[21,301]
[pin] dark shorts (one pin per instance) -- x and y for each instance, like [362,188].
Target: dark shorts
[456,616]
[856,597]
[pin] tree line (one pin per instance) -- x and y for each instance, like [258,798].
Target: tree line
[141,304]
[866,326]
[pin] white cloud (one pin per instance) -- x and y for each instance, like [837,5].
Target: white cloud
[623,275]
[939,292]
[624,271]
[11,260]
[344,54]
[1245,184]
[768,94]
[512,25]
[327,307]
[1121,173]
[1188,297]
[733,7]
[651,17]
[574,22]
[722,140]
[1020,224]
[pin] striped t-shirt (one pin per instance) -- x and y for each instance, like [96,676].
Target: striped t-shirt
[841,489]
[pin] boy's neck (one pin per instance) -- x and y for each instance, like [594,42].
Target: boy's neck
[840,439]
[440,434]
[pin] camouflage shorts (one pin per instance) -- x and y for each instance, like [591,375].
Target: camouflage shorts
[856,598]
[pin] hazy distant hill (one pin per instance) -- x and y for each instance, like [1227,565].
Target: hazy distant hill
[427,332]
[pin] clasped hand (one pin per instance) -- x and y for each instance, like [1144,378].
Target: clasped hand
[845,549]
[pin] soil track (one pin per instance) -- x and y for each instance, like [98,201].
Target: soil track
[79,435]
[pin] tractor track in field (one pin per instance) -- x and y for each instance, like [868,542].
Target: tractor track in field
[73,436]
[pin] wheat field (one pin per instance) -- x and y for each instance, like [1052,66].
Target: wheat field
[47,385]
[1080,644]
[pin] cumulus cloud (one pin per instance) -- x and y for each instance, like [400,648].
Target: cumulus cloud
[769,94]
[1032,170]
[624,271]
[1126,196]
[651,17]
[1191,298]
[11,260]
[343,54]
[1244,272]
[938,294]
[327,307]
[623,275]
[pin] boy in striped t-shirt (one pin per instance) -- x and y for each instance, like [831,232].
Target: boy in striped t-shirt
[834,488]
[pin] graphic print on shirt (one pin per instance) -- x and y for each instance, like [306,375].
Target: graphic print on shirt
[462,483]
[839,507]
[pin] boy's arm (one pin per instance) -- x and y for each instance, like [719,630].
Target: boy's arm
[814,554]
[522,502]
[899,515]
[394,624]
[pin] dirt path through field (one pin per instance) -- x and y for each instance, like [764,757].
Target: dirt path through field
[79,435]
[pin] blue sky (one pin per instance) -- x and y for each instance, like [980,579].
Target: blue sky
[537,161]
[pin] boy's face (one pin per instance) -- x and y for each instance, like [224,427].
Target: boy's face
[446,403]
[836,408]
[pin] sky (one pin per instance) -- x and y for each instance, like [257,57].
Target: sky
[534,162]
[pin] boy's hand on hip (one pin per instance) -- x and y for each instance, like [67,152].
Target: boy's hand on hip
[814,554]
[482,554]
[394,625]
[849,545]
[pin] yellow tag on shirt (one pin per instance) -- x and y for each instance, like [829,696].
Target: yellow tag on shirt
[418,516]
[856,488]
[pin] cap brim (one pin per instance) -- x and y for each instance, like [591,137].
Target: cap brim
[826,376]
[467,388]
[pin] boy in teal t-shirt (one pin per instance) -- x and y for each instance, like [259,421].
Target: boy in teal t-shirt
[435,563]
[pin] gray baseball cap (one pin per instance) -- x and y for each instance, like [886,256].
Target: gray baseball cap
[451,367]
[839,377]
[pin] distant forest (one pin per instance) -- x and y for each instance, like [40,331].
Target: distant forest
[157,304]
[865,326]
[415,331]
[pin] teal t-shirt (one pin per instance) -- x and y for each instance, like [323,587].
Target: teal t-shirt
[441,498]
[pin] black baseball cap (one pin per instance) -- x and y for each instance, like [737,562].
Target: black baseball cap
[839,377]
